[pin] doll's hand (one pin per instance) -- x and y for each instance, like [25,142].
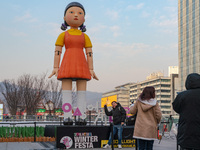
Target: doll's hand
[54,72]
[93,75]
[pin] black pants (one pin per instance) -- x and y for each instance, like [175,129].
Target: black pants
[145,144]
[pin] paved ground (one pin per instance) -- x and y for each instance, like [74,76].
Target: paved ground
[165,144]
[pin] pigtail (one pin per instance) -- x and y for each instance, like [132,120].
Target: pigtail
[63,26]
[83,28]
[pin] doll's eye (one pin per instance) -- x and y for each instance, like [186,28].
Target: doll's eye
[71,12]
[80,13]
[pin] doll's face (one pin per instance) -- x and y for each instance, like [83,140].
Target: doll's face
[74,17]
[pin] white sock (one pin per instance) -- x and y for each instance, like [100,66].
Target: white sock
[81,103]
[67,98]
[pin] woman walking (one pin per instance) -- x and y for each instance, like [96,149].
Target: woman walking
[148,117]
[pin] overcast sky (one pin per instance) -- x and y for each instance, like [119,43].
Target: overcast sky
[131,38]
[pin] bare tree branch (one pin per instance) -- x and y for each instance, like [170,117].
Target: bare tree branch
[12,94]
[34,90]
[54,95]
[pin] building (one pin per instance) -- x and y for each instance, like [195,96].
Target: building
[122,94]
[163,86]
[172,70]
[188,39]
[174,89]
[173,74]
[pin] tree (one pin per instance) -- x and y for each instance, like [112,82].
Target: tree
[34,89]
[27,91]
[13,95]
[53,97]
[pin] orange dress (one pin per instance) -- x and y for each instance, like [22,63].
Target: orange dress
[74,65]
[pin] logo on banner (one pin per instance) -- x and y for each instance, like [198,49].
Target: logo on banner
[67,141]
[125,143]
[84,140]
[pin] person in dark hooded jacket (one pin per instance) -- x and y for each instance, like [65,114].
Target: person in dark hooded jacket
[119,116]
[187,105]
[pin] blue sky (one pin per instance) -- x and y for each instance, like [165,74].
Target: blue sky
[131,38]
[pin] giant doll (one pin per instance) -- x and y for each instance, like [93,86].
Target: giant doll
[76,64]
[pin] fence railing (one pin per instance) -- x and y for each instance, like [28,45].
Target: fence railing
[29,118]
[165,123]
[91,119]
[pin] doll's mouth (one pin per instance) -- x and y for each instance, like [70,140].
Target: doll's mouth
[75,18]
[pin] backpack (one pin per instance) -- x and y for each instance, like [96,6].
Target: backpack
[130,121]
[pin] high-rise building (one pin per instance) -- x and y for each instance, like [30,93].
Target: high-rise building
[188,39]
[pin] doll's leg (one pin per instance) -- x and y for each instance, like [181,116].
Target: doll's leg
[67,97]
[81,97]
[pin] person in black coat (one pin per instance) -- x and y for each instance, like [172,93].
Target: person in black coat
[119,115]
[187,105]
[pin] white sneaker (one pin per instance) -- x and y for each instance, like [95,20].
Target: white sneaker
[107,146]
[119,146]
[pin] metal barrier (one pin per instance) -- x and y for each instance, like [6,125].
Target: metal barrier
[166,127]
[92,119]
[29,118]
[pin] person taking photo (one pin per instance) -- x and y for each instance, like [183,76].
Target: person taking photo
[119,115]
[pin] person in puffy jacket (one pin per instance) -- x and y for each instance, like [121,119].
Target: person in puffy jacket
[147,120]
[119,115]
[187,105]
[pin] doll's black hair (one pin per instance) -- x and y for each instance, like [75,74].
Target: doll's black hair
[64,25]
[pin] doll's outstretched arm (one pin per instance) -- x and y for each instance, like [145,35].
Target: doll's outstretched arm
[90,62]
[58,51]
